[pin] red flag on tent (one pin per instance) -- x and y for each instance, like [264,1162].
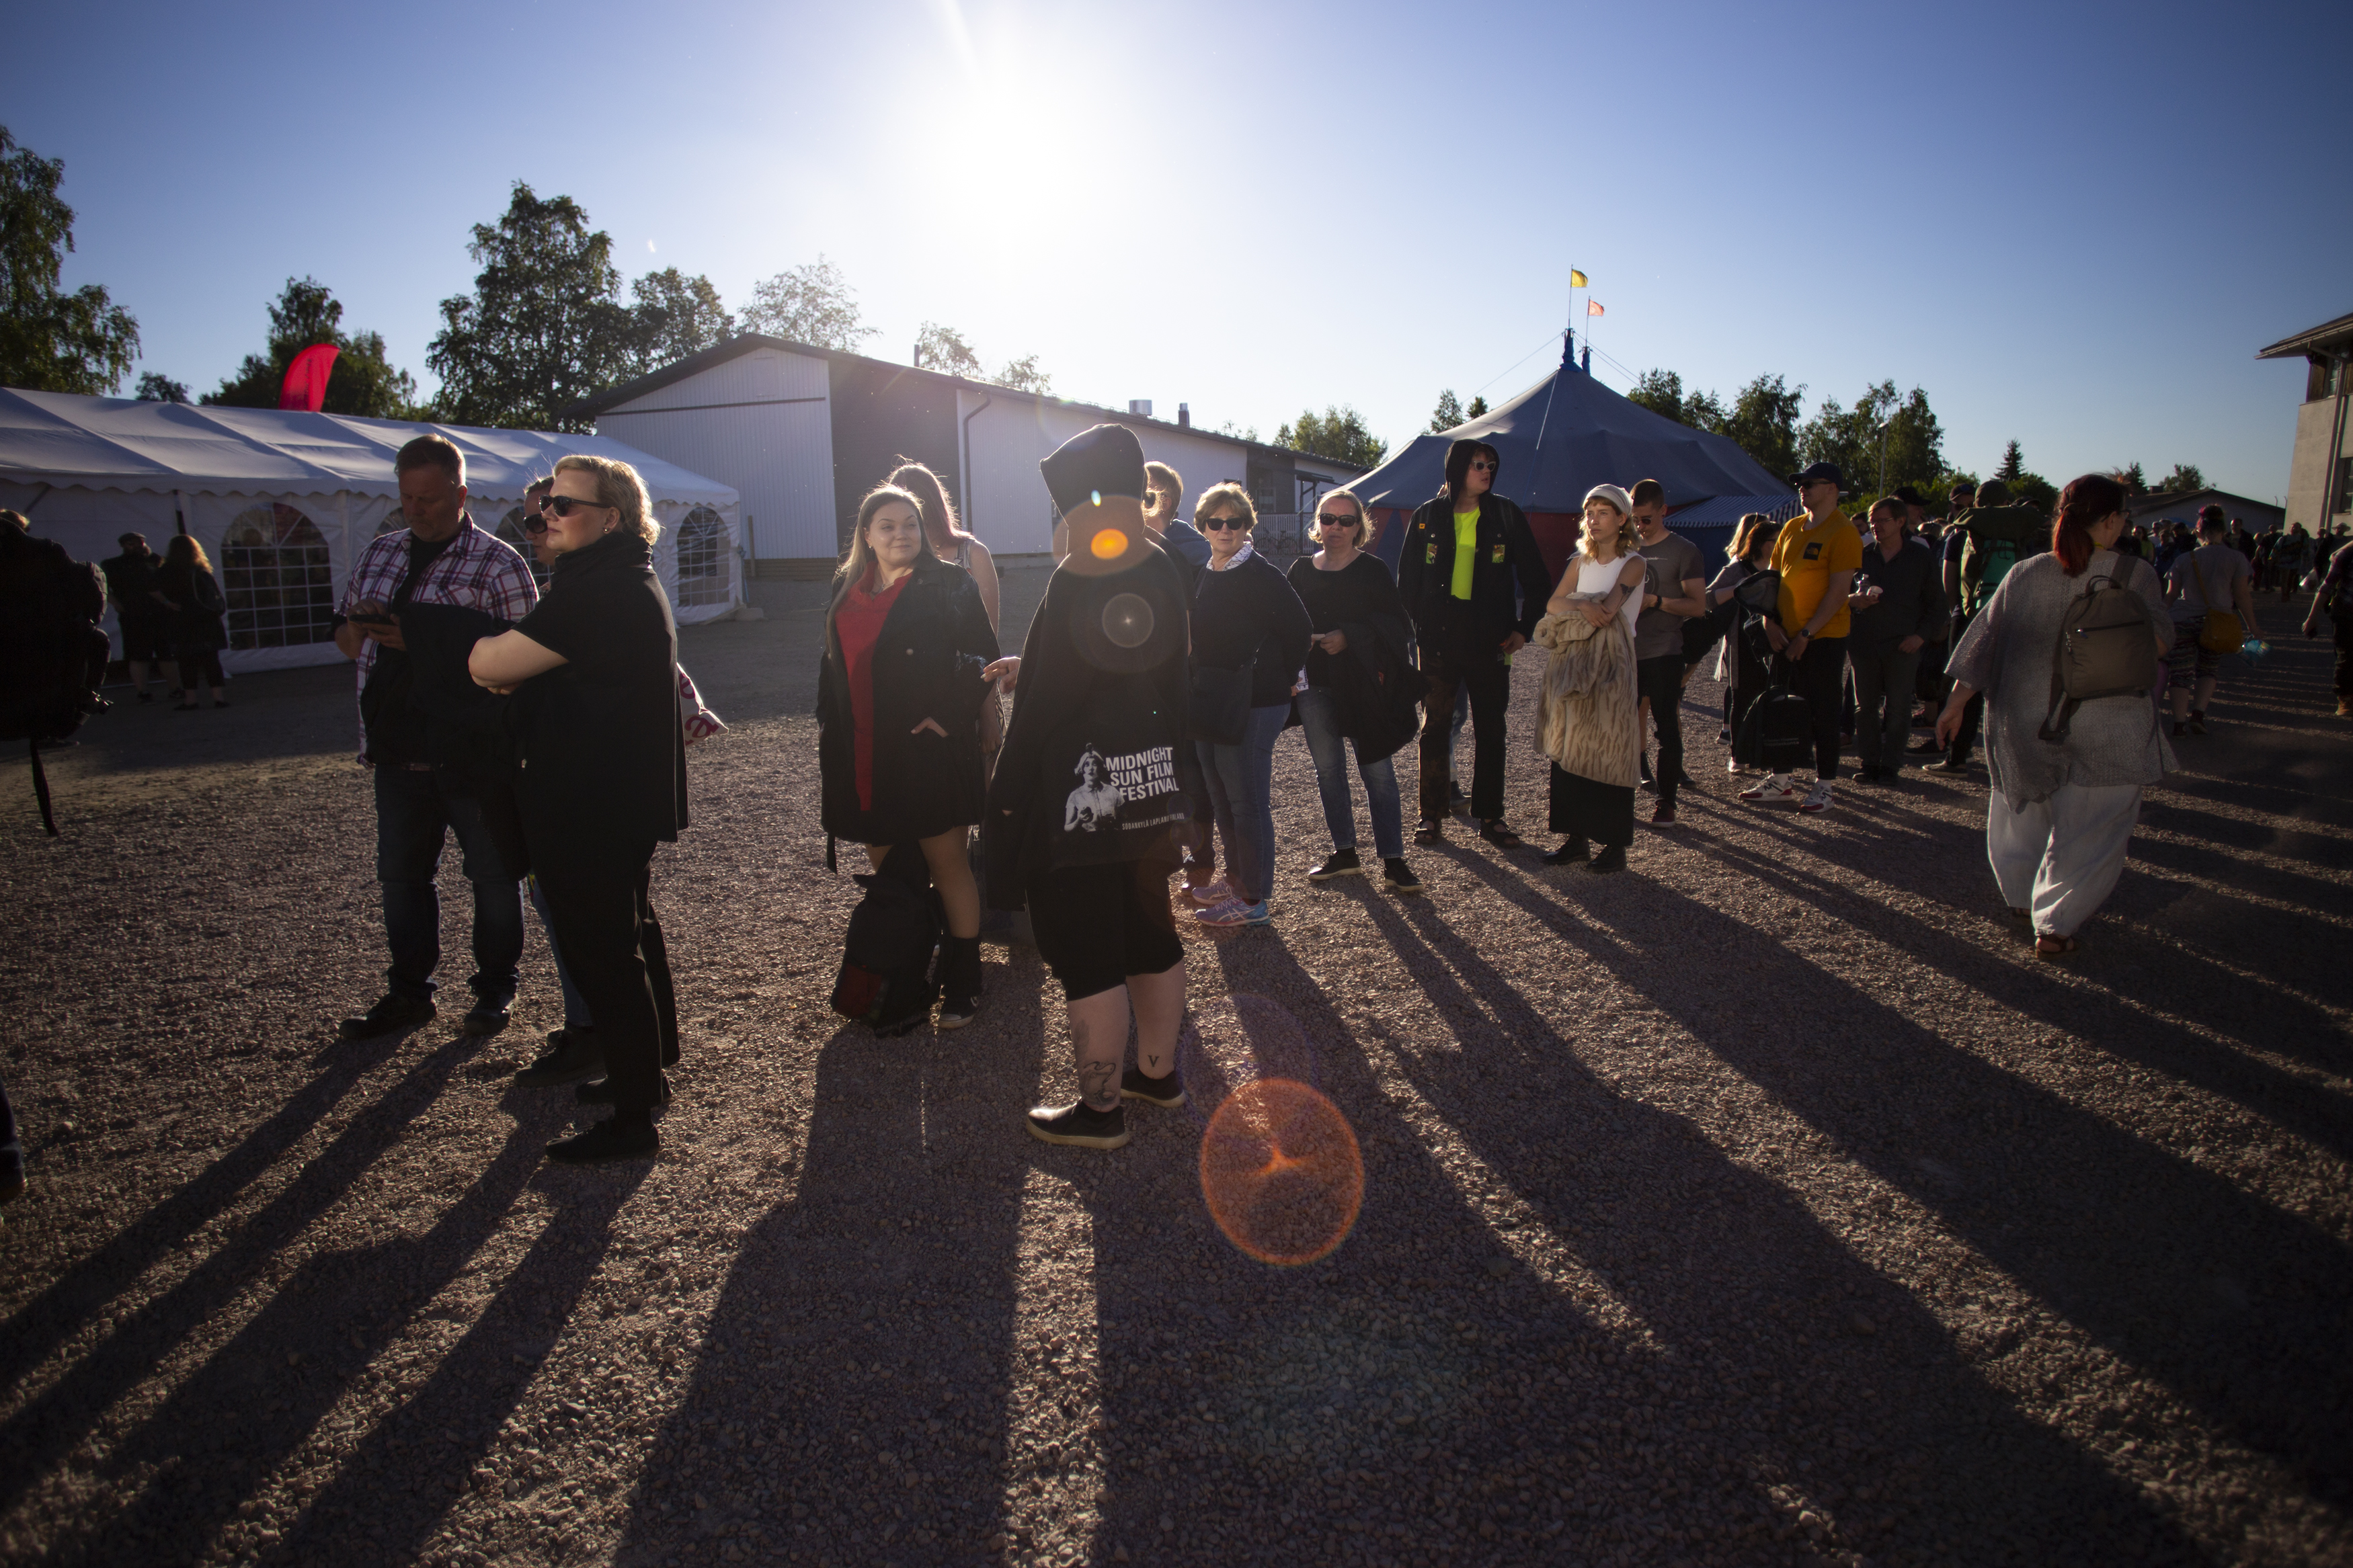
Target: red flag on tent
[1593,308]
[305,387]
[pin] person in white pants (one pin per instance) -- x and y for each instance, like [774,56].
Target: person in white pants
[2062,810]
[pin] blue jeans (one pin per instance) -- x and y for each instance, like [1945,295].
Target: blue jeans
[1241,795]
[576,1014]
[413,817]
[1319,713]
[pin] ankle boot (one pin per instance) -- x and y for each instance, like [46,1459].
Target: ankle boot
[959,980]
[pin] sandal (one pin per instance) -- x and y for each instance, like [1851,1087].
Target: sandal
[2053,948]
[1499,834]
[1430,831]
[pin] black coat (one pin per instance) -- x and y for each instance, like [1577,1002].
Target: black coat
[927,664]
[1509,584]
[197,623]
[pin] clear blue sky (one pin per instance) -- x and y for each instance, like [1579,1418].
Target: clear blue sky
[2072,224]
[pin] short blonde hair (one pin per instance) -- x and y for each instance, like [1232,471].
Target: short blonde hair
[1228,492]
[620,486]
[1168,481]
[1365,526]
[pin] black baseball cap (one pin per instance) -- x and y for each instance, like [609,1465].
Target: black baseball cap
[1818,474]
[1908,496]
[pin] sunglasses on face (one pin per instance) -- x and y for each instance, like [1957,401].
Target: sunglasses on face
[1335,520]
[533,523]
[1218,524]
[1482,465]
[565,506]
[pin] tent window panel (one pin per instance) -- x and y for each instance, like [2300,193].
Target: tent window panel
[510,530]
[279,580]
[702,558]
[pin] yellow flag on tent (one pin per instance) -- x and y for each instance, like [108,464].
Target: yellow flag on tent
[1575,278]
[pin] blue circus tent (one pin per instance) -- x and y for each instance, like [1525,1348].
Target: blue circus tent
[1566,433]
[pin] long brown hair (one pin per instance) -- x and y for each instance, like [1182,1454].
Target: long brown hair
[932,501]
[2082,503]
[860,559]
[187,549]
[1743,536]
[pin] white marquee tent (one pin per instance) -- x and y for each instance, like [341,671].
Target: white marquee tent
[283,502]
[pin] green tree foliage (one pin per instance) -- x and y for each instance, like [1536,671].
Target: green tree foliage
[2184,477]
[1660,392]
[676,316]
[1478,409]
[943,349]
[362,381]
[1336,433]
[1763,421]
[1024,376]
[2013,464]
[51,341]
[1912,441]
[811,305]
[2136,483]
[155,388]
[1447,415]
[545,326]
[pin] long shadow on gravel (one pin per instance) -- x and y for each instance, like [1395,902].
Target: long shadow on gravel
[214,1440]
[2234,1304]
[61,1312]
[860,1339]
[35,1440]
[1892,1434]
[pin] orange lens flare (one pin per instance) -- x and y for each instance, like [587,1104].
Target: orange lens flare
[1108,544]
[1281,1172]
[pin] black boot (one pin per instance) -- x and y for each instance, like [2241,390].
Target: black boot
[1572,851]
[959,980]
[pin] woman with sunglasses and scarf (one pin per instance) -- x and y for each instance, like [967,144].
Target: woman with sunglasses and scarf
[1355,668]
[1472,576]
[1249,627]
[593,669]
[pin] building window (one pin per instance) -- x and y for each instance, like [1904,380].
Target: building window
[277,578]
[2343,499]
[510,530]
[2319,377]
[702,558]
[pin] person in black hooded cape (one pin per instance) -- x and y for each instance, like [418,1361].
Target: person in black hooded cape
[1084,810]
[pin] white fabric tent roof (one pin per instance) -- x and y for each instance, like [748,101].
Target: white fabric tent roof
[110,443]
[285,502]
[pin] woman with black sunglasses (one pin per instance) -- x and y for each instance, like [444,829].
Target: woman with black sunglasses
[1356,668]
[602,779]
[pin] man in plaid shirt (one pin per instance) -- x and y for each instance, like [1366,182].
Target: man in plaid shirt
[440,558]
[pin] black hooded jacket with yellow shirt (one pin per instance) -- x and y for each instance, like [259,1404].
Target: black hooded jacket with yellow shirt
[1509,583]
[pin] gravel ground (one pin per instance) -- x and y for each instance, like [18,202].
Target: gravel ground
[1770,1204]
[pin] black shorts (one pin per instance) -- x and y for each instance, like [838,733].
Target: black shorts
[146,640]
[1096,925]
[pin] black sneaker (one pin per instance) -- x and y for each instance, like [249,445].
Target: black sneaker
[391,1016]
[579,1058]
[1167,1094]
[1399,877]
[1611,858]
[601,1092]
[1080,1125]
[1947,766]
[485,1018]
[1343,863]
[606,1140]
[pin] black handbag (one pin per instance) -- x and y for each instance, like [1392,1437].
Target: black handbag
[1221,707]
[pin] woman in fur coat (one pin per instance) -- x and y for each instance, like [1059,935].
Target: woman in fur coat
[1586,713]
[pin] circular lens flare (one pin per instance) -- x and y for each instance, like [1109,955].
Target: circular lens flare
[1281,1172]
[1127,620]
[1108,543]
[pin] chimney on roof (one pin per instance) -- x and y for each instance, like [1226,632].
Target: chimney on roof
[1184,416]
[1140,407]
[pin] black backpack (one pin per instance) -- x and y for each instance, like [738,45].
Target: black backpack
[886,981]
[1778,732]
[52,654]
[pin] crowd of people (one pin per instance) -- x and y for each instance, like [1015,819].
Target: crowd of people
[1131,740]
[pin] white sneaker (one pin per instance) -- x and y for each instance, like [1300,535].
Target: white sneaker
[1817,798]
[1777,786]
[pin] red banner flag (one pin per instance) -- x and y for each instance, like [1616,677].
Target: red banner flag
[1593,308]
[305,387]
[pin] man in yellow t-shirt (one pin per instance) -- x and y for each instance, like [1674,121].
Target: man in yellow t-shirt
[1817,557]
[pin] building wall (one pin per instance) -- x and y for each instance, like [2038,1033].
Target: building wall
[760,422]
[2308,488]
[883,412]
[1005,501]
